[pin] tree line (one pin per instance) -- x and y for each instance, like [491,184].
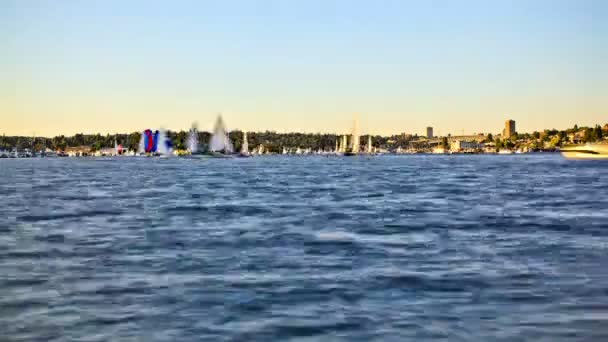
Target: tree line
[272,141]
[275,142]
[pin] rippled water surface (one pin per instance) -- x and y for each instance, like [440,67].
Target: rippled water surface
[458,248]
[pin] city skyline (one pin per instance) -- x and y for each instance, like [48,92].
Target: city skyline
[112,67]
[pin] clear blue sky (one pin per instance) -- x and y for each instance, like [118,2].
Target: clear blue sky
[310,65]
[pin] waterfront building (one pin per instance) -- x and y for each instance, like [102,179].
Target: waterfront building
[577,137]
[439,150]
[478,138]
[509,129]
[79,151]
[429,132]
[460,145]
[489,148]
[106,152]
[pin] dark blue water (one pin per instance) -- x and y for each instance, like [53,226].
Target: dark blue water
[454,248]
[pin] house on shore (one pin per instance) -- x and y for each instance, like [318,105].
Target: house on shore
[80,151]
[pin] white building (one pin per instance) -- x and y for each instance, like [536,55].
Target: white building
[460,145]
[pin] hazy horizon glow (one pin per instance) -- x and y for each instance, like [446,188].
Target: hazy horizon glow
[116,67]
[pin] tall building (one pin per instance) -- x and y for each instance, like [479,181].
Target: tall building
[429,132]
[509,128]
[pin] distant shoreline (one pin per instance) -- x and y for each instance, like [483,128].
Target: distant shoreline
[327,155]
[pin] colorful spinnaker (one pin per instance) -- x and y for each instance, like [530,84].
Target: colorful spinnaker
[156,142]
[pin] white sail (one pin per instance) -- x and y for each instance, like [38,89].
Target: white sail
[162,144]
[142,147]
[369,144]
[192,141]
[344,143]
[220,141]
[355,138]
[245,146]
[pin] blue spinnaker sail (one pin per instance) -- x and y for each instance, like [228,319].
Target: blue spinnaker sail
[155,145]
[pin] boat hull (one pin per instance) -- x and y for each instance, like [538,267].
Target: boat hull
[194,156]
[591,152]
[219,155]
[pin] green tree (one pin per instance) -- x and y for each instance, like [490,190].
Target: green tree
[97,145]
[499,144]
[38,144]
[598,132]
[59,143]
[180,140]
[589,135]
[546,138]
[133,140]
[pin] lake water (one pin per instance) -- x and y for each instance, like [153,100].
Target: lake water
[454,248]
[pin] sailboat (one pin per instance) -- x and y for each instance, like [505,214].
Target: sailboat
[164,146]
[142,144]
[192,141]
[369,145]
[244,146]
[155,143]
[193,150]
[354,147]
[220,145]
